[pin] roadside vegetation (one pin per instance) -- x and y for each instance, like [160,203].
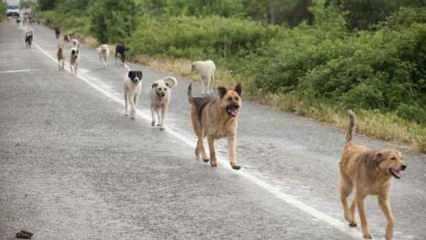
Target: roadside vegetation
[2,11]
[316,59]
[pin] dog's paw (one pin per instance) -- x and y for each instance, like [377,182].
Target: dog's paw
[368,236]
[352,224]
[213,164]
[236,167]
[206,160]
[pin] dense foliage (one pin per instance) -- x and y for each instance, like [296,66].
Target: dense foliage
[2,11]
[343,53]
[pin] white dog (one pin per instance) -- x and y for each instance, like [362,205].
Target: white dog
[75,43]
[132,89]
[206,69]
[75,59]
[103,53]
[160,99]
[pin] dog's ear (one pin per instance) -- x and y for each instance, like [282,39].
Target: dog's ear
[238,89]
[170,82]
[379,156]
[154,85]
[222,91]
[131,75]
[139,74]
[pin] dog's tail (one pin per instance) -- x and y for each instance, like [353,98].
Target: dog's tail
[351,127]
[190,98]
[127,67]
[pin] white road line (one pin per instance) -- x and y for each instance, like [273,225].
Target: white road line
[18,71]
[287,198]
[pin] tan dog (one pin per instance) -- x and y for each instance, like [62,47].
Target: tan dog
[370,173]
[103,54]
[214,118]
[161,94]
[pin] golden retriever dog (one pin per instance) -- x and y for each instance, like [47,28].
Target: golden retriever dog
[369,172]
[216,117]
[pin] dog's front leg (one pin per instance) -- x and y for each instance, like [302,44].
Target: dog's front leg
[153,116]
[385,206]
[232,152]
[361,211]
[213,159]
[132,106]
[163,115]
[125,103]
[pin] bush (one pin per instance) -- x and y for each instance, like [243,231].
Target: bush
[111,20]
[2,11]
[194,37]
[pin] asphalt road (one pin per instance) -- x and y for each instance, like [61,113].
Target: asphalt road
[72,166]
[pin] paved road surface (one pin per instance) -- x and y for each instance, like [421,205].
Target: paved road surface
[73,167]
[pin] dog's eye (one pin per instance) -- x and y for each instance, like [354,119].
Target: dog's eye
[393,158]
[236,98]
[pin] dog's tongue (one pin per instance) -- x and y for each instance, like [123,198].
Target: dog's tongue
[396,173]
[233,112]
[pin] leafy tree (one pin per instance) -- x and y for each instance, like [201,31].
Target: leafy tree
[112,20]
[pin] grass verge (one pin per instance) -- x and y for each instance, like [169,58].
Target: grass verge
[385,126]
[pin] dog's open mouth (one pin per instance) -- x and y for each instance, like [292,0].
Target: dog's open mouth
[396,173]
[232,110]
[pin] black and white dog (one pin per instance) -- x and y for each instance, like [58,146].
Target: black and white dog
[28,38]
[120,52]
[74,60]
[132,89]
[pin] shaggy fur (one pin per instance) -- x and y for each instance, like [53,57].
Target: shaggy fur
[160,99]
[132,89]
[369,172]
[103,54]
[216,117]
[206,69]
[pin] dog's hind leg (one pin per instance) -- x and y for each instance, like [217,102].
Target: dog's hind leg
[345,190]
[385,206]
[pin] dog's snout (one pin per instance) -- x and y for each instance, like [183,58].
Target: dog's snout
[403,167]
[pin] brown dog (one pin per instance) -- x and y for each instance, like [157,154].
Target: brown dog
[370,173]
[60,57]
[214,118]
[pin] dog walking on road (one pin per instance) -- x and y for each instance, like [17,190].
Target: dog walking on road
[216,117]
